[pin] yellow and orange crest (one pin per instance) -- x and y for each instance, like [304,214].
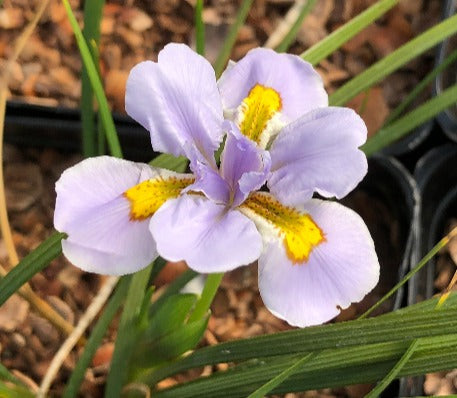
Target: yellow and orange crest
[257,110]
[299,232]
[147,197]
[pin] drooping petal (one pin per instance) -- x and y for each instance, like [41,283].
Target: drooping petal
[340,269]
[299,86]
[177,100]
[243,165]
[208,236]
[108,230]
[318,152]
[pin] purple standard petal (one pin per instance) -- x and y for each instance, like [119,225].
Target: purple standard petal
[207,178]
[339,271]
[177,100]
[91,209]
[319,152]
[299,86]
[208,236]
[244,166]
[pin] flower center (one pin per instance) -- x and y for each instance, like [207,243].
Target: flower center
[146,197]
[299,233]
[257,110]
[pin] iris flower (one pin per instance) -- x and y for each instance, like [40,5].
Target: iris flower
[315,257]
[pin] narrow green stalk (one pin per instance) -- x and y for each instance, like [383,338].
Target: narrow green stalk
[443,242]
[336,39]
[209,291]
[421,87]
[393,374]
[95,339]
[127,333]
[30,265]
[97,86]
[292,34]
[93,11]
[411,120]
[224,54]
[394,60]
[199,28]
[277,380]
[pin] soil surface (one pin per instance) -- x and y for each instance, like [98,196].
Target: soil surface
[132,31]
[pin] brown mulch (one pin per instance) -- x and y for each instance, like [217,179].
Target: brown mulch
[47,73]
[48,70]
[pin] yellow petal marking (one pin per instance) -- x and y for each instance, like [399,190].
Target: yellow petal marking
[299,233]
[258,108]
[146,197]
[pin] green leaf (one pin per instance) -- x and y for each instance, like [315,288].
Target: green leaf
[11,391]
[411,120]
[170,316]
[224,54]
[96,337]
[421,86]
[336,39]
[6,375]
[277,380]
[153,352]
[292,34]
[173,288]
[330,368]
[393,61]
[30,265]
[209,291]
[93,11]
[170,162]
[419,320]
[394,372]
[97,86]
[127,333]
[199,28]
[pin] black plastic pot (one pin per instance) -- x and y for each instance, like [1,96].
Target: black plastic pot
[436,176]
[394,196]
[60,128]
[448,118]
[388,181]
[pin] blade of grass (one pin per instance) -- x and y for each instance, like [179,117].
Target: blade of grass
[394,60]
[33,263]
[331,368]
[224,54]
[173,288]
[393,374]
[5,374]
[84,321]
[277,380]
[286,32]
[336,39]
[170,162]
[25,291]
[7,391]
[421,87]
[209,291]
[411,120]
[92,16]
[442,243]
[95,339]
[416,321]
[199,28]
[127,333]
[105,113]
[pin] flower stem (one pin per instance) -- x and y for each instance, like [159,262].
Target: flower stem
[209,291]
